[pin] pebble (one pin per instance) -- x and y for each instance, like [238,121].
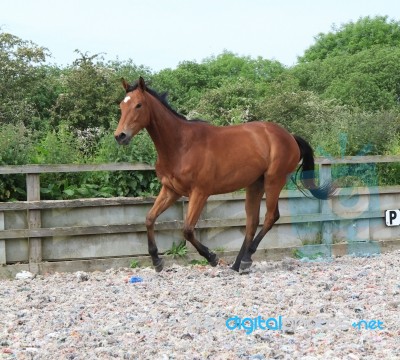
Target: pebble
[24,275]
[181,313]
[82,276]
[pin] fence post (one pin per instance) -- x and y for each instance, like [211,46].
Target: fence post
[2,242]
[34,221]
[325,175]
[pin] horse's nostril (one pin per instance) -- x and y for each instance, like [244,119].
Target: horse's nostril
[120,137]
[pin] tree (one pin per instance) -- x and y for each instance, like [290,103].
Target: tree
[368,79]
[234,102]
[229,65]
[20,77]
[352,38]
[90,94]
[184,84]
[191,81]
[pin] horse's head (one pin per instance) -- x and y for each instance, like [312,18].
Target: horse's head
[135,113]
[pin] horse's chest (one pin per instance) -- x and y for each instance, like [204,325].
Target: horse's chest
[176,184]
[176,181]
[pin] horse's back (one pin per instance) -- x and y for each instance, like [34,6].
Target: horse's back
[233,157]
[266,139]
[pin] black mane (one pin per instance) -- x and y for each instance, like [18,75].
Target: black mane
[162,98]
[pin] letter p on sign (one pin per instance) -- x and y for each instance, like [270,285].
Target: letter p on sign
[392,217]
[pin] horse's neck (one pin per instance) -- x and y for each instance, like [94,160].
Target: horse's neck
[165,130]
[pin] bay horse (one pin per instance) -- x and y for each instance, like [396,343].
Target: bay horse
[197,159]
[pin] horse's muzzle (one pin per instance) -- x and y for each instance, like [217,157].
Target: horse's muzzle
[123,139]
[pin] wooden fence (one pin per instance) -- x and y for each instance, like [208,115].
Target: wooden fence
[75,234]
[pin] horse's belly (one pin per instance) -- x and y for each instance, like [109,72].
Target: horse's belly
[237,178]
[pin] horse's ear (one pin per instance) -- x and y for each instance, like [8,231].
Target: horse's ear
[141,83]
[124,84]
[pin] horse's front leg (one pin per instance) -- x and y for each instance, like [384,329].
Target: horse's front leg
[197,201]
[164,200]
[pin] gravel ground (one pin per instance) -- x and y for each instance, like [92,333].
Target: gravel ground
[198,312]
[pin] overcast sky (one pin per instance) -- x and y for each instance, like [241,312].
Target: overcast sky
[162,33]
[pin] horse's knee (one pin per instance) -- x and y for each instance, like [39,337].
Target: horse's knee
[149,221]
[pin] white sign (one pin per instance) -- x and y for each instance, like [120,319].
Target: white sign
[392,217]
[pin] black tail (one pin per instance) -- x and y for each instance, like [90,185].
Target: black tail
[307,174]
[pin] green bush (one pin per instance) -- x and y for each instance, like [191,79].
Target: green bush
[89,93]
[16,146]
[390,173]
[342,96]
[353,37]
[232,103]
[98,184]
[367,80]
[125,183]
[59,146]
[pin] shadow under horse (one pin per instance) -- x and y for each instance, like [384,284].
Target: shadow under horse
[197,159]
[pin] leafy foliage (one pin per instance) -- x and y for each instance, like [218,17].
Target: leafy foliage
[134,264]
[202,262]
[16,143]
[20,77]
[89,97]
[368,79]
[343,96]
[232,103]
[179,250]
[350,38]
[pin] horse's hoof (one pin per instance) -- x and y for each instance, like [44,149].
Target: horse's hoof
[213,260]
[234,268]
[244,265]
[159,266]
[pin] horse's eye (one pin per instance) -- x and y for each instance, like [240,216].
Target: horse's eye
[138,106]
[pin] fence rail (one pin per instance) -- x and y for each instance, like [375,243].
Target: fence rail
[36,230]
[61,168]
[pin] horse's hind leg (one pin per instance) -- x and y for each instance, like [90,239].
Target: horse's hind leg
[164,200]
[273,187]
[196,204]
[254,194]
